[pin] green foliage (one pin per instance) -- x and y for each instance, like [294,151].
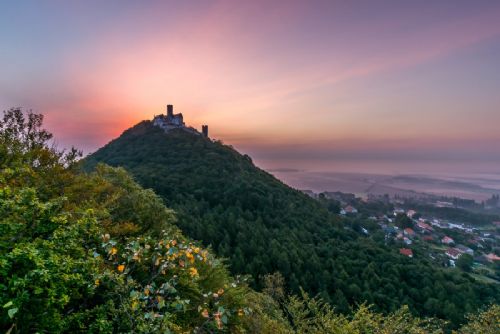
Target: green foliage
[465,262]
[303,314]
[485,322]
[97,253]
[263,226]
[403,221]
[311,315]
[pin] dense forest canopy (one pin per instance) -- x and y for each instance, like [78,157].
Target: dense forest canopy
[263,226]
[97,253]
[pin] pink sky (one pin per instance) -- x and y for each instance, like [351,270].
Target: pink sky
[295,80]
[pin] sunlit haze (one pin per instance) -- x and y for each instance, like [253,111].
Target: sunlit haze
[382,86]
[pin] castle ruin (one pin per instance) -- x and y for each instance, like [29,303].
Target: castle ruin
[172,121]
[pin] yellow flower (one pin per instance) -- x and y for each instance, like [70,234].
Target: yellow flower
[121,268]
[196,250]
[190,257]
[220,292]
[174,242]
[97,282]
[240,312]
[113,251]
[146,292]
[193,272]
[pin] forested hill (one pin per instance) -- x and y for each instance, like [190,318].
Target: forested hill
[263,226]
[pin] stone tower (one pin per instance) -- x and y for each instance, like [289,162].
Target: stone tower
[204,130]
[170,110]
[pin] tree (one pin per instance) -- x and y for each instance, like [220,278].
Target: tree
[403,221]
[465,262]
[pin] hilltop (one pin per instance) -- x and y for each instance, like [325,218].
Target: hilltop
[263,226]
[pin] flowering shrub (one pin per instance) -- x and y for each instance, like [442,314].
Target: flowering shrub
[172,281]
[61,271]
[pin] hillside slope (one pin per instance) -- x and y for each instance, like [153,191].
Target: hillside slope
[264,226]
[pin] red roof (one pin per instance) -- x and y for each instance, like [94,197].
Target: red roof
[349,209]
[428,238]
[424,226]
[447,240]
[409,231]
[406,251]
[452,252]
[493,257]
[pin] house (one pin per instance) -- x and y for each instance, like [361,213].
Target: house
[435,222]
[406,251]
[492,257]
[453,253]
[411,213]
[350,209]
[464,249]
[409,232]
[428,238]
[424,227]
[407,241]
[398,211]
[443,224]
[447,240]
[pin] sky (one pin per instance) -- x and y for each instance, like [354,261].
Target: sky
[382,86]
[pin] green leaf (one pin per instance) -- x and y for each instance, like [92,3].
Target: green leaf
[8,304]
[12,312]
[161,304]
[224,319]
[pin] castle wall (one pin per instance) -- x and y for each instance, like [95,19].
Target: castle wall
[172,121]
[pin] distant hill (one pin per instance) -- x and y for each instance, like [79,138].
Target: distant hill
[475,187]
[262,226]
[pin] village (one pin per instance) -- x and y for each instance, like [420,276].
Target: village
[449,243]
